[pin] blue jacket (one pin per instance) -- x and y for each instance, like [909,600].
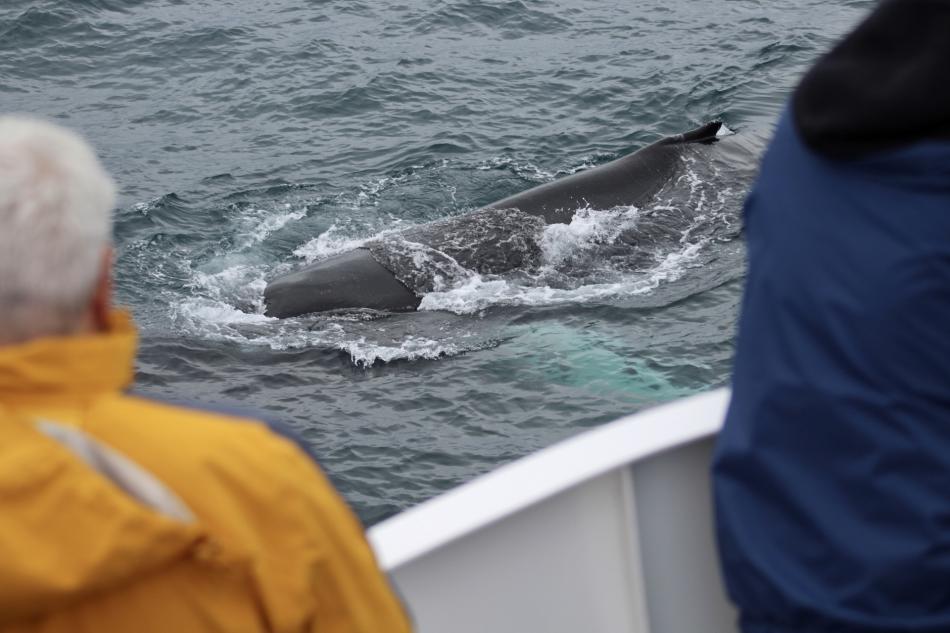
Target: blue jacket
[832,474]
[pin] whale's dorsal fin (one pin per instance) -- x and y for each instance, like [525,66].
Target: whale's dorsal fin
[704,134]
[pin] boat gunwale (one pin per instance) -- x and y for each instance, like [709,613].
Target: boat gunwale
[525,482]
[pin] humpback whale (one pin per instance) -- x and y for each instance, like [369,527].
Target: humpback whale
[364,277]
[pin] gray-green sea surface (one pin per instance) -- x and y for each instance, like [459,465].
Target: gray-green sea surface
[248,138]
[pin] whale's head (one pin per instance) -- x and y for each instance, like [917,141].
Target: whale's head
[349,280]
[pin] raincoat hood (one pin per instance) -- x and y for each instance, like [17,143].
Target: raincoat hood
[66,531]
[885,86]
[70,366]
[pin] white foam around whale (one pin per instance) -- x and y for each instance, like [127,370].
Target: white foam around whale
[261,223]
[479,293]
[588,228]
[220,321]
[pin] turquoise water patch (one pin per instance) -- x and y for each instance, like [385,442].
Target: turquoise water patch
[593,362]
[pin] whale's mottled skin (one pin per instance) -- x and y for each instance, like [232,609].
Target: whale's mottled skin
[356,279]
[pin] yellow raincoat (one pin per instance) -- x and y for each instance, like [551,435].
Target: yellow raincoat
[271,547]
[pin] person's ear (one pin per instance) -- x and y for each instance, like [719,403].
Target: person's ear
[102,298]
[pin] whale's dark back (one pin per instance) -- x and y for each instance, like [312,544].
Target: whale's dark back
[631,180]
[365,277]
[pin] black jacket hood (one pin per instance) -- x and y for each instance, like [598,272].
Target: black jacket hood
[886,85]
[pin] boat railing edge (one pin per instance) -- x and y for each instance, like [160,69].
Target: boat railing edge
[543,474]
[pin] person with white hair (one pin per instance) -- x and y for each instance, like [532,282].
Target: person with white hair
[55,207]
[120,513]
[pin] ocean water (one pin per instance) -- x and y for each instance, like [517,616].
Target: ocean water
[248,138]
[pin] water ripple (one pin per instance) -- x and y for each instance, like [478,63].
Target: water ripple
[247,137]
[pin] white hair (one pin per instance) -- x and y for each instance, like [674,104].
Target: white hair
[56,205]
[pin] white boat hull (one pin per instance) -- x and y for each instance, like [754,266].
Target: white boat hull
[610,531]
